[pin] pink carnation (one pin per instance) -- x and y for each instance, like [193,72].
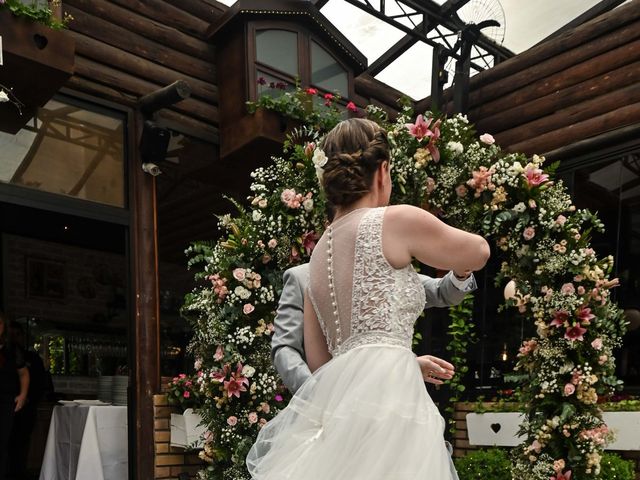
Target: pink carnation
[253,417]
[461,191]
[232,420]
[272,243]
[597,344]
[569,389]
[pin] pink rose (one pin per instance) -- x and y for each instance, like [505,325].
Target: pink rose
[272,243]
[352,107]
[264,406]
[253,417]
[602,359]
[536,446]
[431,184]
[239,274]
[529,233]
[287,196]
[569,388]
[219,355]
[248,308]
[461,191]
[232,421]
[567,289]
[561,220]
[581,290]
[186,394]
[597,344]
[487,138]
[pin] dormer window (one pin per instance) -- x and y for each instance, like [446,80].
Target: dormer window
[284,56]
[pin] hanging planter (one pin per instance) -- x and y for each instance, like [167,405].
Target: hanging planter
[36,63]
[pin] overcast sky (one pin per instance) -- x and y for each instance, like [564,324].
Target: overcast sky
[525,24]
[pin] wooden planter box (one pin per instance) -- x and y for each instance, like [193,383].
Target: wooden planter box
[37,61]
[500,429]
[258,135]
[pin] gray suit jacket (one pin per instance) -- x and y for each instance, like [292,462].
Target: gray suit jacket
[287,344]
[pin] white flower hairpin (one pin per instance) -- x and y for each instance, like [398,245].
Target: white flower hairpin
[319,160]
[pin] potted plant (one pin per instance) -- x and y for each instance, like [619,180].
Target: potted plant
[37,59]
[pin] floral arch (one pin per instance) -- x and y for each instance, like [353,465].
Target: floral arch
[560,285]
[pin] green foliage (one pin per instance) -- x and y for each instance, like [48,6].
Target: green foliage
[612,467]
[493,464]
[461,336]
[35,12]
[317,111]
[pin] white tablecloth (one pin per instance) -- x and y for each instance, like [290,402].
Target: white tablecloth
[86,443]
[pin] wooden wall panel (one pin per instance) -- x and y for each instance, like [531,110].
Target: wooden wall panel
[129,48]
[577,86]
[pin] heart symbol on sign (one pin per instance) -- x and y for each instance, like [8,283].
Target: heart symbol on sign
[496,427]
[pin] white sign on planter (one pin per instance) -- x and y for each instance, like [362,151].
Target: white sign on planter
[500,429]
[186,429]
[494,428]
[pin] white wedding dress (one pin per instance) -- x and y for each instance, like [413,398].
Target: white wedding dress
[364,415]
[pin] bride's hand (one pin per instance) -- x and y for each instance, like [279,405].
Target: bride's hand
[434,369]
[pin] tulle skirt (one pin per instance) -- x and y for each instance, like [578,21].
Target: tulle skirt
[365,415]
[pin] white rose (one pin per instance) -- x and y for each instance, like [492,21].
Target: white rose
[242,292]
[256,215]
[319,159]
[521,207]
[308,204]
[248,371]
[487,139]
[3,96]
[455,147]
[515,169]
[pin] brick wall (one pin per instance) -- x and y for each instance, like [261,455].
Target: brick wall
[170,462]
[462,446]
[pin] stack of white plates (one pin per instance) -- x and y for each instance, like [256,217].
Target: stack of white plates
[105,384]
[119,390]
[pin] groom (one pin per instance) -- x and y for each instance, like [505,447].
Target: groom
[287,344]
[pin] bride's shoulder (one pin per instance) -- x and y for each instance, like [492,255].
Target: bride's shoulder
[403,212]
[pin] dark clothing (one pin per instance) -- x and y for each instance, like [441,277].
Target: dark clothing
[6,420]
[24,421]
[11,359]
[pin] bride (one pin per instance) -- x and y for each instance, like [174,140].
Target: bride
[365,413]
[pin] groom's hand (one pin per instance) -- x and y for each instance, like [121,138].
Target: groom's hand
[434,369]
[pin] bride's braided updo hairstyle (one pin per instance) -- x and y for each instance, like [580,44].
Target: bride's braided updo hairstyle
[354,149]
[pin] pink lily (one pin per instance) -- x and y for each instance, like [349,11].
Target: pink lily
[584,315]
[575,333]
[535,176]
[420,129]
[559,319]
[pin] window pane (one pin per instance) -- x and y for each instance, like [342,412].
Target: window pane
[70,151]
[612,189]
[272,86]
[279,49]
[326,72]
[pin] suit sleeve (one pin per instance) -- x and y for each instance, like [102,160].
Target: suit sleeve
[443,292]
[287,344]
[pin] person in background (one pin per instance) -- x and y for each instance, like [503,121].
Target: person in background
[25,420]
[14,385]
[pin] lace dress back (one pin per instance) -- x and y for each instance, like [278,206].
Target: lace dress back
[360,299]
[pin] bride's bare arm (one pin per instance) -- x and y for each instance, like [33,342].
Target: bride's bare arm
[315,345]
[411,232]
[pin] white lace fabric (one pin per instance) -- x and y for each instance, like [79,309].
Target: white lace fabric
[360,299]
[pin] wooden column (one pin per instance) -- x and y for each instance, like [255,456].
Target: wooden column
[145,368]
